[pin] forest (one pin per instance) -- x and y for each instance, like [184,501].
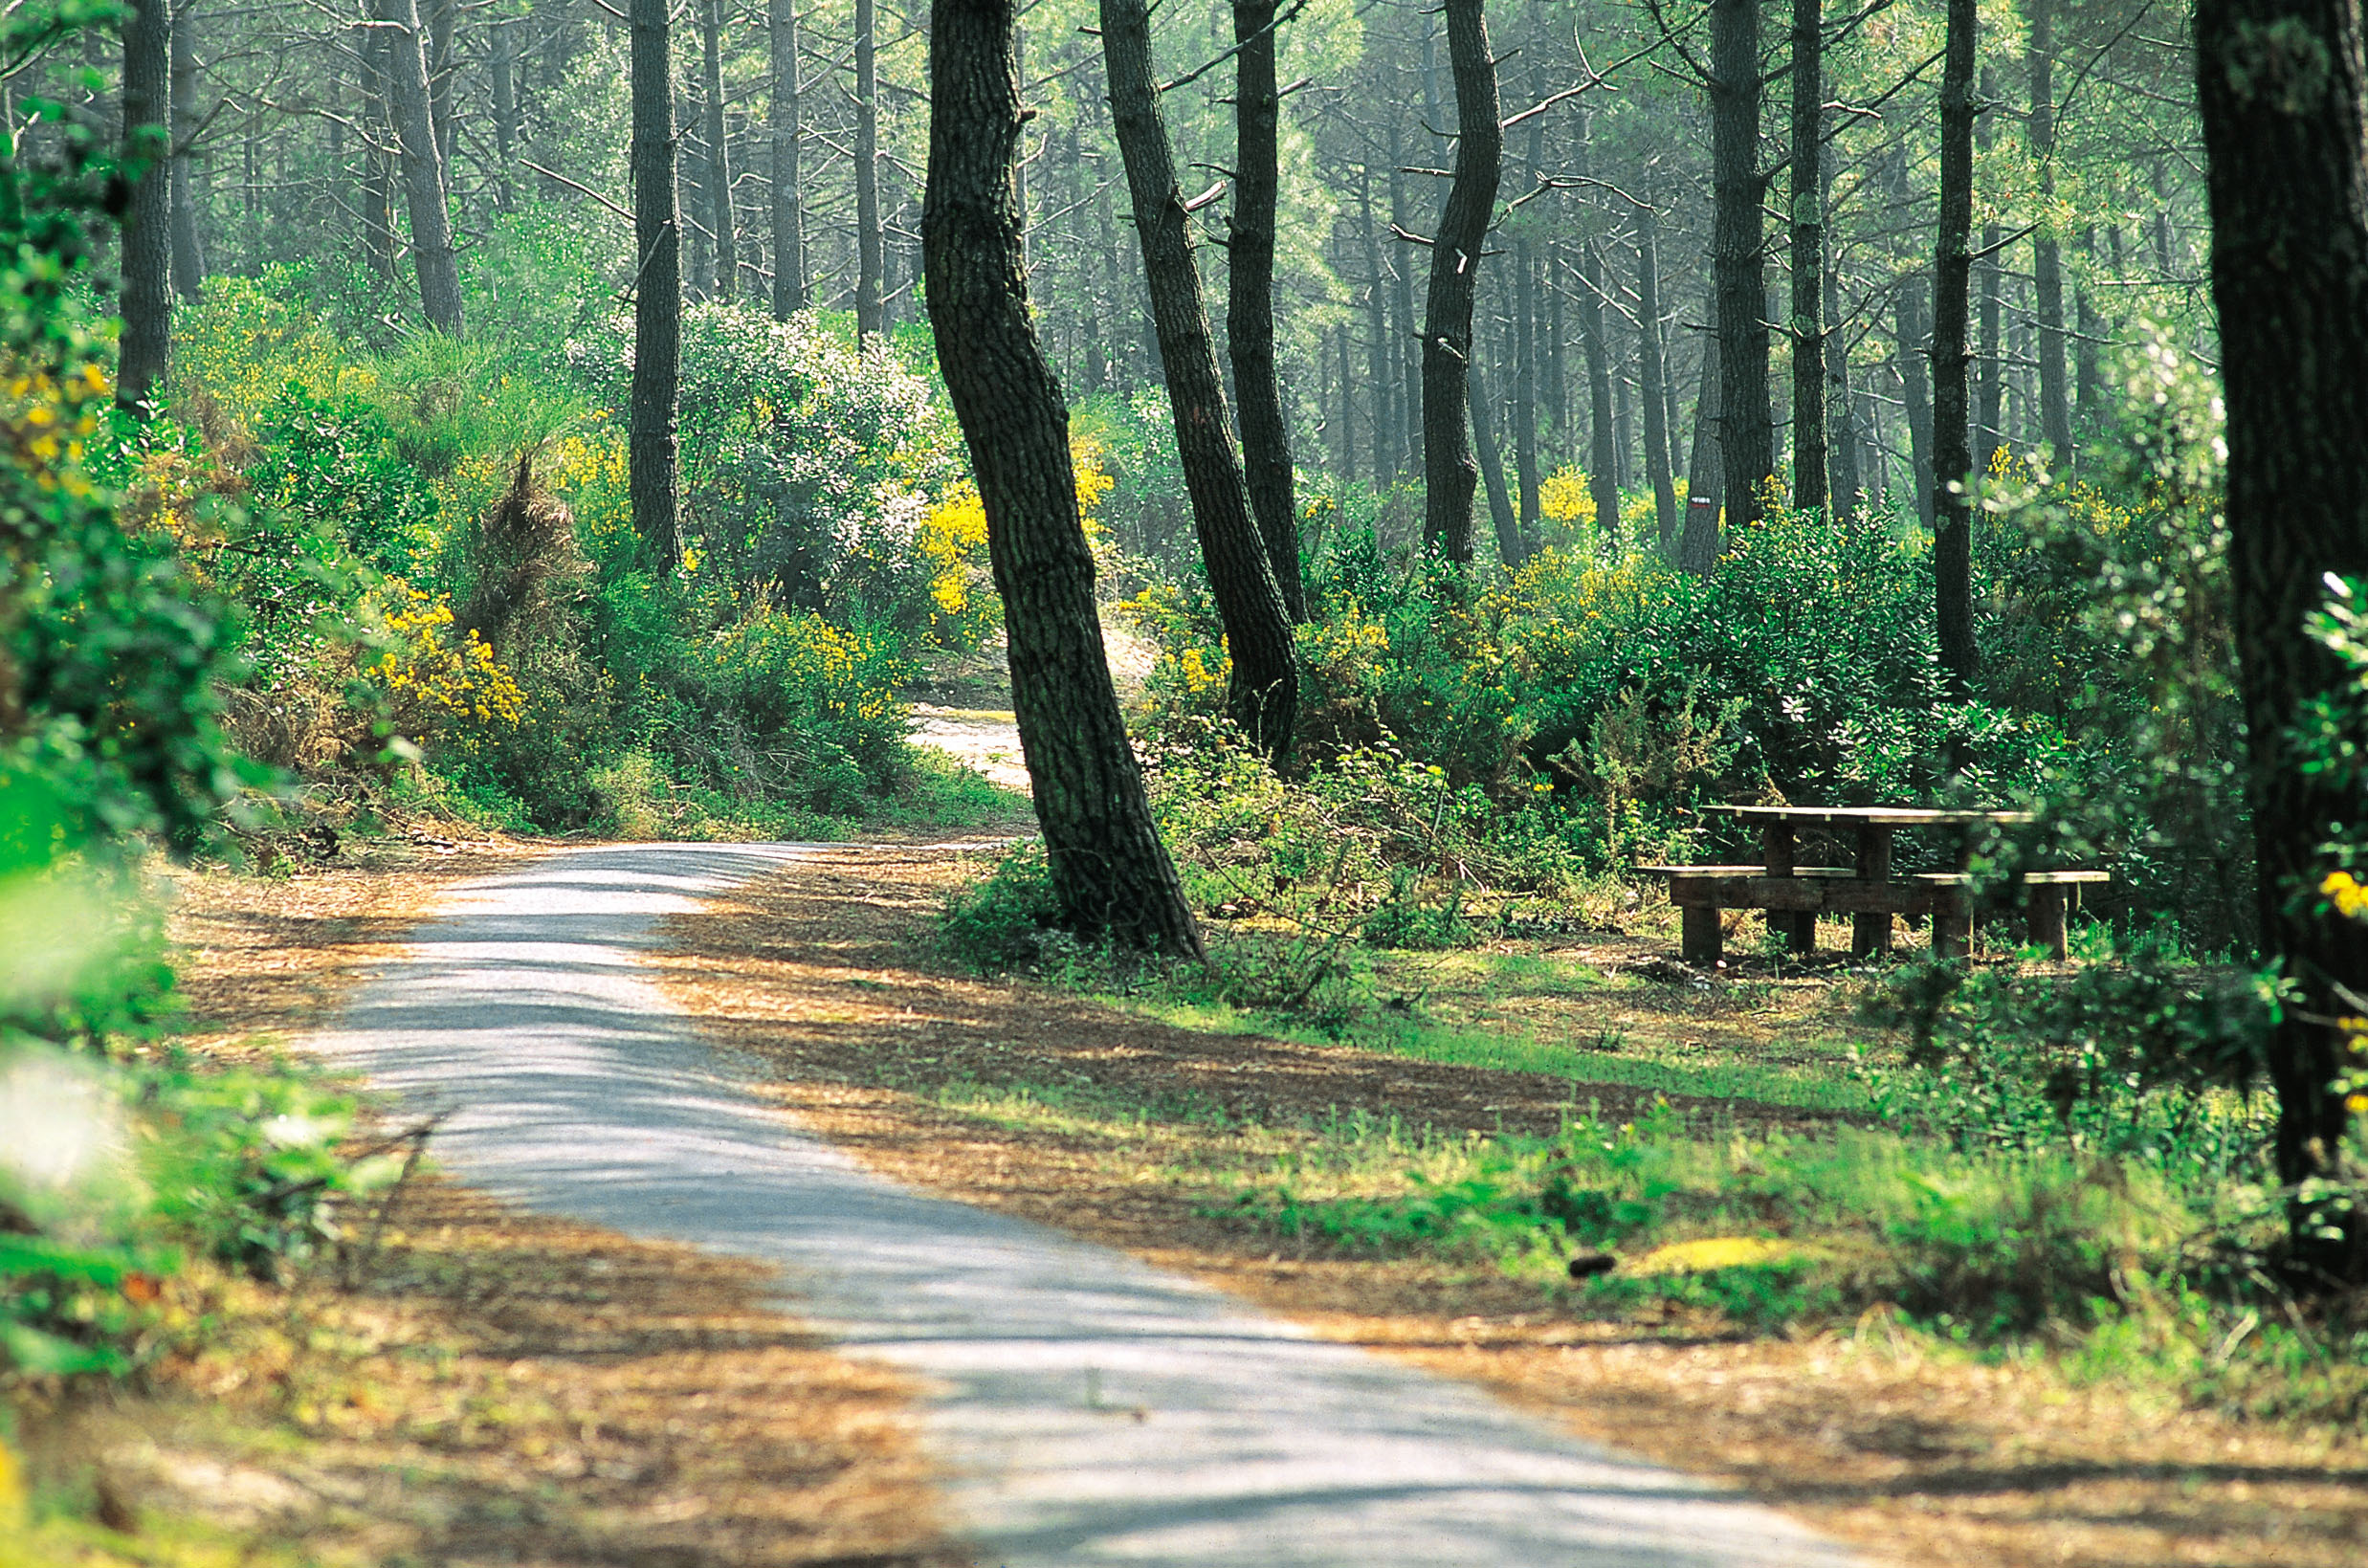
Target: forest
[1685,678]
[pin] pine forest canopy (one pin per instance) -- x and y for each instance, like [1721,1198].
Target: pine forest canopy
[2087,200]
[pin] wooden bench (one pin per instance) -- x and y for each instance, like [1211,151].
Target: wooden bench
[1868,892]
[2047,896]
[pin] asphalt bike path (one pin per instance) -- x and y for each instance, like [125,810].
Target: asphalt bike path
[1085,1408]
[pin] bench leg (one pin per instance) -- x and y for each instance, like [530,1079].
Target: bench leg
[1703,938]
[1802,937]
[1952,924]
[1871,936]
[2047,924]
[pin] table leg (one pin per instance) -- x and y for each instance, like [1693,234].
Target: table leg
[1703,938]
[1871,935]
[1798,929]
[1953,923]
[2047,923]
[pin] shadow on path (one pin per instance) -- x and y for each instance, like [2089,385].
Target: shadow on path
[1090,1409]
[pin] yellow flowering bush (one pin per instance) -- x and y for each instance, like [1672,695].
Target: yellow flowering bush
[964,610]
[439,680]
[1565,497]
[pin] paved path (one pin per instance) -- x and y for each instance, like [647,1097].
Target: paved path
[1090,1409]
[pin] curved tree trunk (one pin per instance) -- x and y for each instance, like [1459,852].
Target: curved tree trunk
[788,222]
[1450,473]
[422,168]
[1697,541]
[1746,436]
[1112,872]
[2283,129]
[1264,693]
[1951,310]
[146,345]
[658,288]
[1249,307]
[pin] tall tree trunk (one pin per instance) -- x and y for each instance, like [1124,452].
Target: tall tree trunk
[1112,874]
[422,170]
[1951,309]
[785,130]
[1653,360]
[189,258]
[1558,337]
[439,17]
[1250,300]
[869,260]
[1698,542]
[1808,258]
[378,165]
[1603,431]
[1989,408]
[717,175]
[146,345]
[1912,360]
[1512,547]
[1264,693]
[1525,344]
[1844,485]
[1407,361]
[1746,436]
[2087,380]
[658,288]
[2284,93]
[2046,257]
[1377,326]
[505,110]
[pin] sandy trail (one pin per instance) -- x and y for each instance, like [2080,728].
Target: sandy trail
[1088,1407]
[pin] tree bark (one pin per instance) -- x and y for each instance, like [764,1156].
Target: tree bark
[505,110]
[146,345]
[1112,874]
[1602,433]
[785,130]
[1846,485]
[1449,472]
[1407,361]
[869,260]
[1377,316]
[1525,347]
[717,175]
[1697,543]
[189,257]
[658,290]
[378,164]
[2046,257]
[439,17]
[1952,308]
[422,168]
[1250,303]
[1653,372]
[1746,436]
[1990,395]
[1912,360]
[1512,547]
[1808,258]
[2284,94]
[1263,697]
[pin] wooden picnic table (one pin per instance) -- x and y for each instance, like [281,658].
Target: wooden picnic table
[1867,890]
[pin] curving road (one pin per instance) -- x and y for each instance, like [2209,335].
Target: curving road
[1089,1409]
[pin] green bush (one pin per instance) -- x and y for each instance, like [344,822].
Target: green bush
[1001,921]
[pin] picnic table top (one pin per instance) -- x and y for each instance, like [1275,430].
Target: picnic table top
[1874,816]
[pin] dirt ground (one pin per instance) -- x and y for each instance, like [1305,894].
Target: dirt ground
[485,1386]
[822,971]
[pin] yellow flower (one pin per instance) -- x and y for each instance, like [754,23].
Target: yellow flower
[2349,898]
